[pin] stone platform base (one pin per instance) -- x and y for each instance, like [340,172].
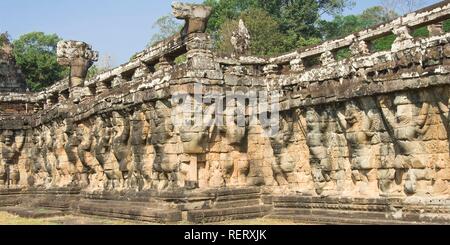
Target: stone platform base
[224,204]
[332,210]
[33,213]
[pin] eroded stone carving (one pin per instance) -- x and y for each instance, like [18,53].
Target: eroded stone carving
[196,16]
[79,56]
[89,143]
[409,124]
[320,162]
[240,39]
[11,145]
[360,48]
[142,154]
[358,131]
[404,38]
[65,168]
[327,57]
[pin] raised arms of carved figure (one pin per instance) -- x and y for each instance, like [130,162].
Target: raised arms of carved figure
[422,119]
[298,117]
[19,140]
[442,98]
[384,104]
[341,120]
[323,121]
[121,125]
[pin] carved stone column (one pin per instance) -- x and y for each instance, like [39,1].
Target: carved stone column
[297,65]
[404,38]
[199,43]
[240,39]
[199,53]
[436,29]
[165,64]
[327,57]
[360,48]
[80,57]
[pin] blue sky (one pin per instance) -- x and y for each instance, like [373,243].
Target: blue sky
[116,28]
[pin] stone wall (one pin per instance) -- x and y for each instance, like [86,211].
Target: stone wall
[374,125]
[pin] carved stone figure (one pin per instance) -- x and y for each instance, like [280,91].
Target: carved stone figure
[86,153]
[79,56]
[358,132]
[103,134]
[316,127]
[360,48]
[120,146]
[65,169]
[50,160]
[11,146]
[327,57]
[166,160]
[81,177]
[35,163]
[117,81]
[403,39]
[283,165]
[141,73]
[408,125]
[234,163]
[196,16]
[142,154]
[240,39]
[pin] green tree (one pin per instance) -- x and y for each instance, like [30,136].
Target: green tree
[225,10]
[167,26]
[4,37]
[35,53]
[342,26]
[296,19]
[266,39]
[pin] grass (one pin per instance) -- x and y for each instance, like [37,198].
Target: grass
[9,219]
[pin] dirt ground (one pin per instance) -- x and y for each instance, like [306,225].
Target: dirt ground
[8,219]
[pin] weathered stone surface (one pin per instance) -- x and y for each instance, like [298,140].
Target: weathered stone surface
[355,134]
[196,16]
[240,39]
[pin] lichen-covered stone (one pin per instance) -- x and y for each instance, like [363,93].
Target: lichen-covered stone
[370,128]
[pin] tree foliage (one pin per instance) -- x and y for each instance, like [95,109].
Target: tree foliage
[3,38]
[293,21]
[342,26]
[35,53]
[166,26]
[266,39]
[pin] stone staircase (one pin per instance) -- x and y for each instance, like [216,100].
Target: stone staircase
[140,211]
[317,210]
[232,204]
